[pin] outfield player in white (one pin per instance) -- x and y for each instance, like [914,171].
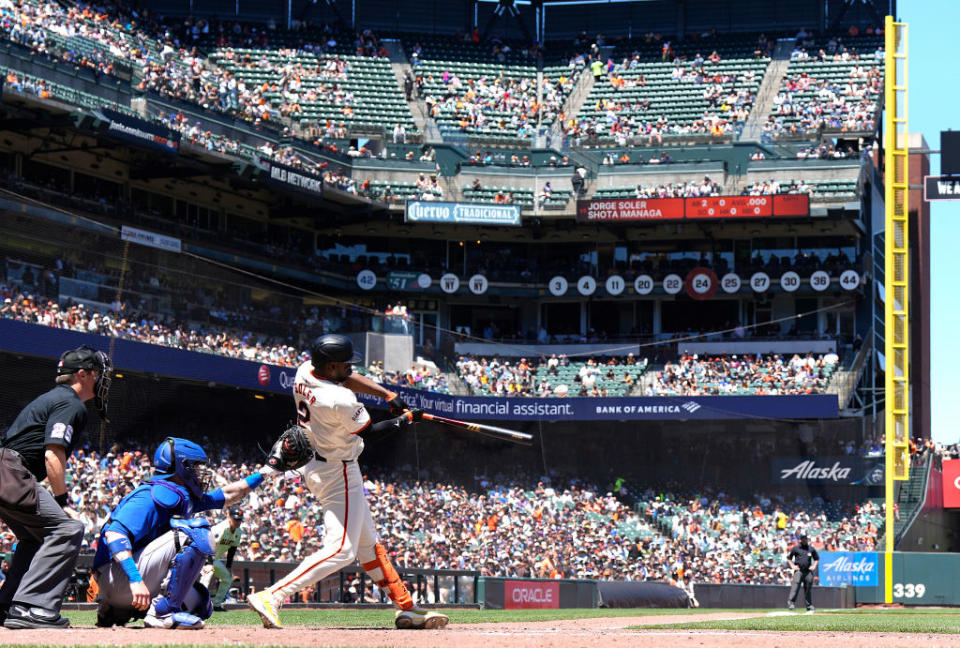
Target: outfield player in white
[227,535]
[329,410]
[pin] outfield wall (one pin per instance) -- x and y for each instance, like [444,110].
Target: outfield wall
[712,595]
[536,593]
[918,579]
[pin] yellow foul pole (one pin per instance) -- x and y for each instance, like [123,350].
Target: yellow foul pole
[896,267]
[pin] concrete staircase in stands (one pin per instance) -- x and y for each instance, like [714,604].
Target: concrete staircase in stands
[769,88]
[401,67]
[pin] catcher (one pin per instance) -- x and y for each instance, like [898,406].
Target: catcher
[152,548]
[324,447]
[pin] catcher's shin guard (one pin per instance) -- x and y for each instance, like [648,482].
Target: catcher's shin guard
[381,570]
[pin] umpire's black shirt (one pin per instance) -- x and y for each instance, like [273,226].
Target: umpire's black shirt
[54,418]
[803,558]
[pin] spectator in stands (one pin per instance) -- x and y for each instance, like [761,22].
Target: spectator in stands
[498,523]
[596,68]
[577,182]
[545,194]
[692,375]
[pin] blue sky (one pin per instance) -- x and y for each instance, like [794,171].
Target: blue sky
[934,105]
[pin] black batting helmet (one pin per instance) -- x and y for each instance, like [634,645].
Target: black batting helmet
[332,348]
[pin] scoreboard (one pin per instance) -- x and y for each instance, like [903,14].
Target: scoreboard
[728,207]
[707,207]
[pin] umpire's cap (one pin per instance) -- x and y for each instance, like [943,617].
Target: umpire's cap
[332,348]
[74,360]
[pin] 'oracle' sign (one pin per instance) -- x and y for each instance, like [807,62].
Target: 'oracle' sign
[531,595]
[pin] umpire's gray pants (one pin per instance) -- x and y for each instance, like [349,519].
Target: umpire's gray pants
[153,561]
[48,543]
[804,578]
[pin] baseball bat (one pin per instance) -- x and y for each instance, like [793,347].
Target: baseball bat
[521,438]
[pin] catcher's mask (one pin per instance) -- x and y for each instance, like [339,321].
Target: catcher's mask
[186,460]
[88,358]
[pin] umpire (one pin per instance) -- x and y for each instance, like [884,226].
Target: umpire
[804,559]
[36,447]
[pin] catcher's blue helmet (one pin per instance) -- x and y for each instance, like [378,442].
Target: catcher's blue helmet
[180,457]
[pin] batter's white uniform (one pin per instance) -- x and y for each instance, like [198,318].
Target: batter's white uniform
[226,539]
[333,417]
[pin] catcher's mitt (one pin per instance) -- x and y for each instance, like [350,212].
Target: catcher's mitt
[291,451]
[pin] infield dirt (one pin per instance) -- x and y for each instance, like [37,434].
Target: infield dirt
[580,633]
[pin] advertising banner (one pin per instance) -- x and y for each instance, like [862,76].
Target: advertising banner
[531,595]
[848,568]
[299,180]
[729,207]
[150,239]
[637,408]
[850,471]
[951,483]
[38,340]
[641,209]
[461,213]
[140,132]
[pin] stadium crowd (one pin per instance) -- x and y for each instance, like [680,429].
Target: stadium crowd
[847,104]
[499,103]
[773,186]
[152,329]
[728,97]
[691,189]
[505,377]
[692,375]
[59,31]
[511,525]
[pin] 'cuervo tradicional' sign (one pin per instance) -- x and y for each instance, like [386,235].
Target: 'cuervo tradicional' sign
[418,211]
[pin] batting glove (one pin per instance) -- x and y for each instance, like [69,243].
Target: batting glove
[397,405]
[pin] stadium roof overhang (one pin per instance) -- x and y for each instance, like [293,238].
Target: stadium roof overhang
[59,135]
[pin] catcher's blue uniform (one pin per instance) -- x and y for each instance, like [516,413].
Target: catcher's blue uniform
[168,546]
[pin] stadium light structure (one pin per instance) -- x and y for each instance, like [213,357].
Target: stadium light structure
[896,289]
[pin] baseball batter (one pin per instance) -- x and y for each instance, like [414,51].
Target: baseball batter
[327,408]
[227,535]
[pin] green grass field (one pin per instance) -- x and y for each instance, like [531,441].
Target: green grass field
[940,621]
[384,618]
